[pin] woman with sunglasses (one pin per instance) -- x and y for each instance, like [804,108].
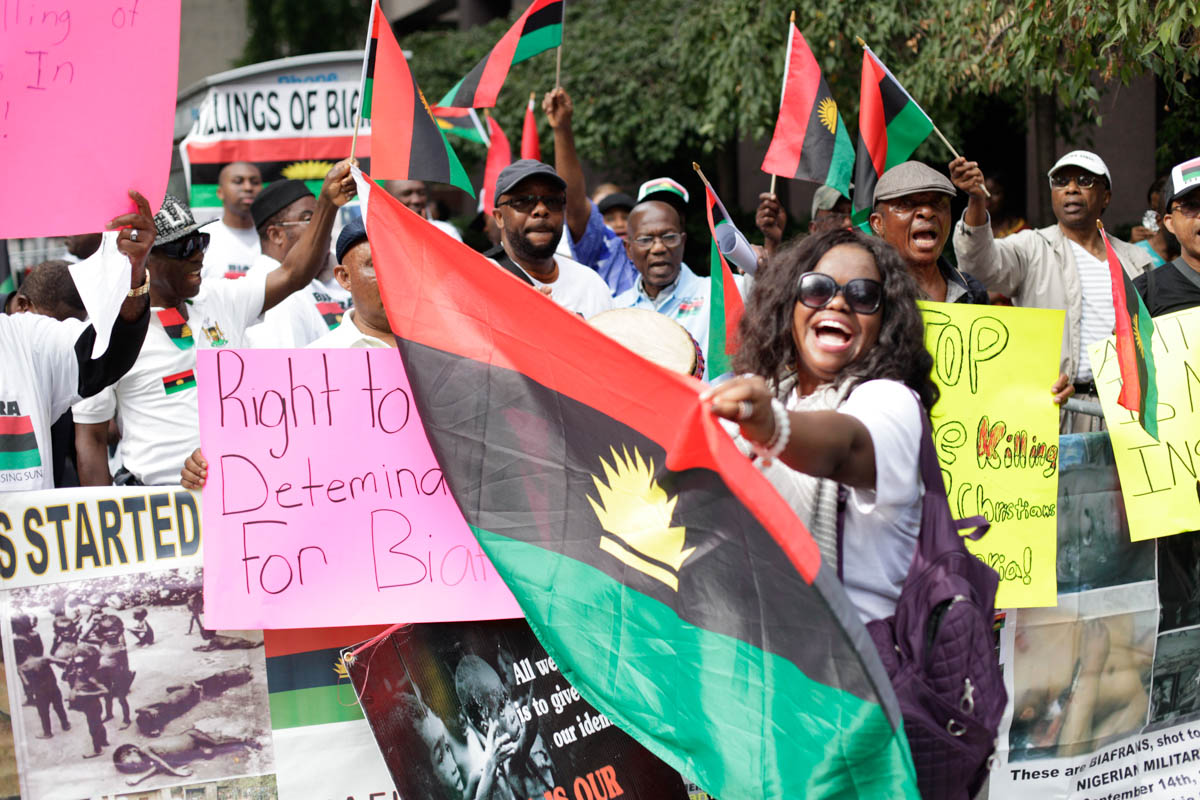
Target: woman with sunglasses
[836,379]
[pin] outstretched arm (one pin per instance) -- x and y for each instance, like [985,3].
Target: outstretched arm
[559,110]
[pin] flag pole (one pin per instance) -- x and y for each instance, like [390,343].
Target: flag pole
[949,146]
[791,22]
[558,55]
[362,85]
[354,138]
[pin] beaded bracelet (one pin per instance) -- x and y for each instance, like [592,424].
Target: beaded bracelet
[768,452]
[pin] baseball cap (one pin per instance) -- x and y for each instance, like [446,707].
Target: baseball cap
[352,234]
[522,169]
[174,221]
[616,200]
[1084,160]
[276,197]
[1185,178]
[664,190]
[911,177]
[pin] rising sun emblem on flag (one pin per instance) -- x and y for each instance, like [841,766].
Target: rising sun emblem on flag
[827,113]
[637,511]
[306,170]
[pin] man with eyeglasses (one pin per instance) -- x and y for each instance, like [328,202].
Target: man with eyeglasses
[155,402]
[284,214]
[654,246]
[1176,286]
[1060,266]
[530,202]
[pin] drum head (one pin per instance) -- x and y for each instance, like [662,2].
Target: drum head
[653,336]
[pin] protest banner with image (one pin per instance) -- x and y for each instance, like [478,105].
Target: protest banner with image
[457,706]
[1159,478]
[326,505]
[995,430]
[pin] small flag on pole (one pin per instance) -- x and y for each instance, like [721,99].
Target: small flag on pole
[530,147]
[810,141]
[1135,354]
[461,122]
[890,127]
[539,29]
[406,141]
[725,301]
[499,156]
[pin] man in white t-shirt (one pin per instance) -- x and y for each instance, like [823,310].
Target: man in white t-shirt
[415,195]
[530,198]
[1062,266]
[233,242]
[281,214]
[46,364]
[155,403]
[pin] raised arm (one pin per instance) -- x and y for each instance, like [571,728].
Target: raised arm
[559,110]
[306,258]
[1000,265]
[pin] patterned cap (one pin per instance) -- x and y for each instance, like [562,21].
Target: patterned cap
[664,190]
[1185,178]
[173,221]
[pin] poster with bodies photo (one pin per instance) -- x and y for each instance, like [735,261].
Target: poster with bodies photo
[478,711]
[128,692]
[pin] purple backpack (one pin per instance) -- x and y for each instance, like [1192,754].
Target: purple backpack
[939,648]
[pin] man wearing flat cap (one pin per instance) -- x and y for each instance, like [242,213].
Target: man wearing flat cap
[155,402]
[1060,266]
[530,199]
[284,215]
[1176,286]
[365,323]
[911,212]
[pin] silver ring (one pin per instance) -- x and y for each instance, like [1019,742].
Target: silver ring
[745,409]
[133,234]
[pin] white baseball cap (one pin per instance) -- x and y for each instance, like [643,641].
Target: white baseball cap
[1185,178]
[1084,160]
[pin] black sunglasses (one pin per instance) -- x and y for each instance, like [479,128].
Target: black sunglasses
[525,203]
[184,248]
[863,295]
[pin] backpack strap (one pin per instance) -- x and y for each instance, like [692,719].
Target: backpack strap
[501,257]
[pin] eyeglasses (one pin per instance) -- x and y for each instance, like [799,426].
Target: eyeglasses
[863,295]
[668,239]
[525,203]
[1085,180]
[1188,208]
[183,249]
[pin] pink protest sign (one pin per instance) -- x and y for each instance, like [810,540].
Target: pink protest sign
[87,110]
[324,504]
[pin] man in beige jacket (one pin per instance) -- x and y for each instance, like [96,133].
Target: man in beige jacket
[1061,266]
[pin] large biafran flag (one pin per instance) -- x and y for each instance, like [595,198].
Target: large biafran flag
[890,127]
[669,581]
[406,141]
[539,29]
[810,141]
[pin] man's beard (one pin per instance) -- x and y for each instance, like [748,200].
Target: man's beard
[528,251]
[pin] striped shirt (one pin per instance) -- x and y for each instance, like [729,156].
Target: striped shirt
[1098,317]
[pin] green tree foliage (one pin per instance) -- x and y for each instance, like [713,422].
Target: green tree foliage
[281,28]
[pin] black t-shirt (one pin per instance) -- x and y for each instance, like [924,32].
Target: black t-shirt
[1176,287]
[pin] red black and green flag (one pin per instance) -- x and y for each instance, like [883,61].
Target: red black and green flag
[890,127]
[307,684]
[461,122]
[499,156]
[673,586]
[8,282]
[331,312]
[1135,352]
[18,444]
[530,146]
[537,30]
[406,141]
[176,327]
[725,301]
[179,382]
[810,141]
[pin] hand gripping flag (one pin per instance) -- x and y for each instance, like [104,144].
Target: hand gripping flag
[672,585]
[499,156]
[539,29]
[1135,353]
[530,147]
[810,141]
[406,141]
[890,127]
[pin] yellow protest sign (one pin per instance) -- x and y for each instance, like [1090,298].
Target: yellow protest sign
[995,430]
[1158,479]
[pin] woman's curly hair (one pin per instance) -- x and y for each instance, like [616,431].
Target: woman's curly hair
[768,348]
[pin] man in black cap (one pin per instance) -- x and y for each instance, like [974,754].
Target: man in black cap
[282,213]
[155,402]
[615,209]
[1176,286]
[530,199]
[366,323]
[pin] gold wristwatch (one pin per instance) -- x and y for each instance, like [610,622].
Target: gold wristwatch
[141,290]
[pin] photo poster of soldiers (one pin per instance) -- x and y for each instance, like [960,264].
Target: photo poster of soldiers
[1104,689]
[123,690]
[10,785]
[479,711]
